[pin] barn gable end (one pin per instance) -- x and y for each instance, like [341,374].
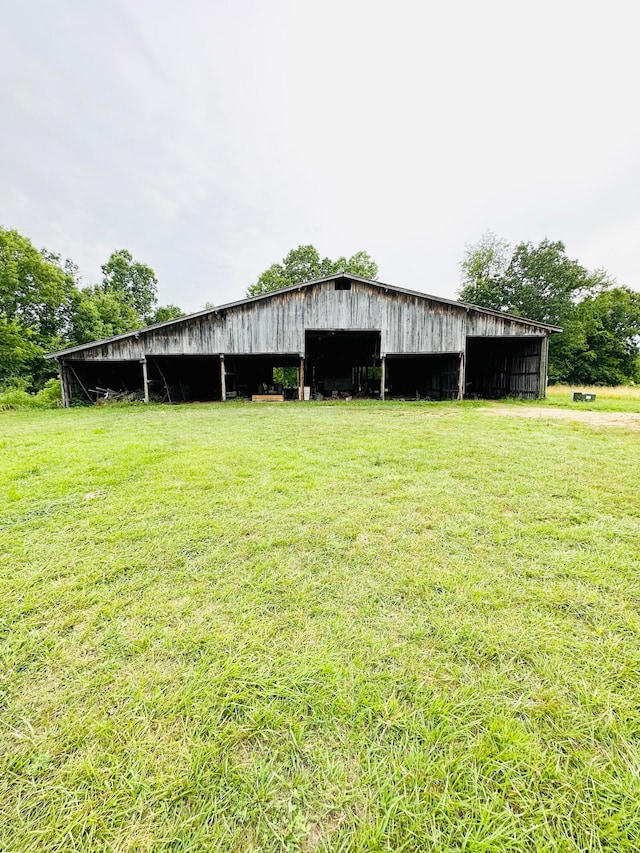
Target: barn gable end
[342,334]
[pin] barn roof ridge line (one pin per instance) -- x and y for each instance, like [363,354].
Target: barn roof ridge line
[296,287]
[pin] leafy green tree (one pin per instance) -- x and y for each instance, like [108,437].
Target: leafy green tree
[272,279]
[18,352]
[126,300]
[537,282]
[483,267]
[135,283]
[99,314]
[35,302]
[542,283]
[608,353]
[358,264]
[165,312]
[304,264]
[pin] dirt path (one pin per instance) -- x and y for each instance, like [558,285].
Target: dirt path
[630,420]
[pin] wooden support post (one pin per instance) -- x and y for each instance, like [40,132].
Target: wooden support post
[223,379]
[301,393]
[145,379]
[544,366]
[65,385]
[383,375]
[461,377]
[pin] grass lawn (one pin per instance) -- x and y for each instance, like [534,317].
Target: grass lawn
[353,627]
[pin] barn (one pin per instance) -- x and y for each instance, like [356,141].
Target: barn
[339,336]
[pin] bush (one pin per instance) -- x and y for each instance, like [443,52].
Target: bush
[48,397]
[51,394]
[18,399]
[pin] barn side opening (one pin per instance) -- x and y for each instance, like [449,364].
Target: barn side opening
[184,378]
[423,377]
[341,363]
[503,367]
[250,375]
[90,381]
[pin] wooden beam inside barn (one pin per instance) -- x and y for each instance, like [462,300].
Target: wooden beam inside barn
[81,384]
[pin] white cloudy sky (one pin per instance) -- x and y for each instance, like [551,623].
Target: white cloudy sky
[209,138]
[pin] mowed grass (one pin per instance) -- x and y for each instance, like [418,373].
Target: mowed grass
[353,627]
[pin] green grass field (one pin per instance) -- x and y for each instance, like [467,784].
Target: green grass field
[353,627]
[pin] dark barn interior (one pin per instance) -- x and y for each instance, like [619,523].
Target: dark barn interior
[94,380]
[423,377]
[337,363]
[343,362]
[171,379]
[184,378]
[247,375]
[503,367]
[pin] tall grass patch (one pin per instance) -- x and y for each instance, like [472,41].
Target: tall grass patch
[620,398]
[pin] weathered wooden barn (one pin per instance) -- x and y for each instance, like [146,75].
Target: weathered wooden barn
[336,336]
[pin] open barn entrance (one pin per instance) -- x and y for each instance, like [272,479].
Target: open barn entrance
[343,364]
[184,378]
[248,376]
[423,377]
[91,381]
[504,367]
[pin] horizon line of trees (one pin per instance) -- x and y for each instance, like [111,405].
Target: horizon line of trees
[44,305]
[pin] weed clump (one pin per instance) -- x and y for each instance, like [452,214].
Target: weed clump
[49,397]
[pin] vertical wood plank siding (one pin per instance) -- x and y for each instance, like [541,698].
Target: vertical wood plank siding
[408,324]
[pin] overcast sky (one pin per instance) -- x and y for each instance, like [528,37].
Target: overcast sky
[210,138]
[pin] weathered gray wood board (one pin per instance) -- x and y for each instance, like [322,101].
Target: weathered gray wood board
[276,325]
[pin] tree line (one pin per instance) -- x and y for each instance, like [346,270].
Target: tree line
[45,307]
[599,344]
